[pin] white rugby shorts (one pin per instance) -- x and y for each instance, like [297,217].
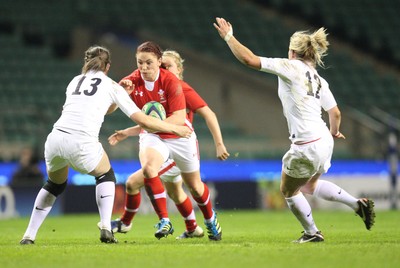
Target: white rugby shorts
[63,149]
[183,151]
[169,172]
[306,160]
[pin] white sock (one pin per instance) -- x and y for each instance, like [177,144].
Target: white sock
[41,208]
[300,207]
[191,216]
[105,193]
[331,192]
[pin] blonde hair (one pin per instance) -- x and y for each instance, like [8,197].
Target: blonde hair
[177,58]
[96,59]
[310,46]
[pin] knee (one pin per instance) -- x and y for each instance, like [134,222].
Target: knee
[177,196]
[286,192]
[54,188]
[149,171]
[196,189]
[130,186]
[108,176]
[134,183]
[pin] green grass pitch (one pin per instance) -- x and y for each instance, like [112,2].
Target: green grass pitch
[251,239]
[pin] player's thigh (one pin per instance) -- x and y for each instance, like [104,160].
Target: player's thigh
[153,152]
[169,172]
[290,186]
[102,167]
[85,155]
[59,176]
[56,163]
[324,150]
[185,153]
[301,161]
[89,158]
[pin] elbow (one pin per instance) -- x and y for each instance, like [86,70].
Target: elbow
[251,61]
[246,61]
[338,114]
[334,113]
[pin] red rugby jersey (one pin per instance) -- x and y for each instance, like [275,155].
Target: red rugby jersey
[167,90]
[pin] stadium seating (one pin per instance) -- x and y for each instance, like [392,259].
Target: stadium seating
[368,24]
[33,89]
[41,29]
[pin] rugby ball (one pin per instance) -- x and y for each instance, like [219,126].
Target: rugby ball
[154,109]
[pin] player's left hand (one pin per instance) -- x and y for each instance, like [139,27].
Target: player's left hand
[118,136]
[222,153]
[183,131]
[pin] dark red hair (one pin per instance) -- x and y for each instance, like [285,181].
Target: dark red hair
[150,47]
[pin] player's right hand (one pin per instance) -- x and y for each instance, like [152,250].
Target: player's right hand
[127,85]
[223,27]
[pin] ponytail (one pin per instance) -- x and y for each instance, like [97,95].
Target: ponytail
[312,47]
[96,59]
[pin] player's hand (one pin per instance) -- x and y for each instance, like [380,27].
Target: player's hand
[118,136]
[127,85]
[339,135]
[224,28]
[183,131]
[222,153]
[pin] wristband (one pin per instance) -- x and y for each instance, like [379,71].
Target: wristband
[228,35]
[336,135]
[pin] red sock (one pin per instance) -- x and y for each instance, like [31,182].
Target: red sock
[186,210]
[132,203]
[155,191]
[204,203]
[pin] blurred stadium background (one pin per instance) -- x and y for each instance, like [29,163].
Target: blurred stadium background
[42,44]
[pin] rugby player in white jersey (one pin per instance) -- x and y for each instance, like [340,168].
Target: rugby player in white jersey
[74,140]
[304,93]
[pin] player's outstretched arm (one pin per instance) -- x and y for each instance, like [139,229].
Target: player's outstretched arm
[242,53]
[148,122]
[121,135]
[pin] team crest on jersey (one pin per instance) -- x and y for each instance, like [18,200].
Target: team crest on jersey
[140,93]
[162,97]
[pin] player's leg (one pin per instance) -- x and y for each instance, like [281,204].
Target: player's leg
[153,153]
[132,202]
[331,192]
[301,209]
[57,170]
[322,151]
[299,164]
[185,153]
[201,194]
[105,194]
[183,203]
[44,202]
